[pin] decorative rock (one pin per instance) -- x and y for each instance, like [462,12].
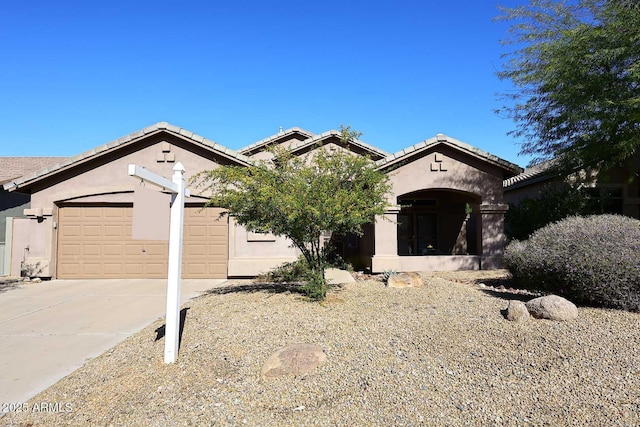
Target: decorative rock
[36,280]
[334,276]
[552,307]
[295,359]
[517,311]
[404,280]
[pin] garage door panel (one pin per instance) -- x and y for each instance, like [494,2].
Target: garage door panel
[217,231]
[111,249]
[70,268]
[96,242]
[92,250]
[70,230]
[69,250]
[91,268]
[113,269]
[194,269]
[117,231]
[156,249]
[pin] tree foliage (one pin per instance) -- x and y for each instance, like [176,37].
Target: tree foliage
[576,69]
[554,203]
[306,199]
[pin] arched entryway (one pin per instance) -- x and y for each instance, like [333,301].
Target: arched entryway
[437,222]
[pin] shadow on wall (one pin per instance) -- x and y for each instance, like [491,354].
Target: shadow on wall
[31,270]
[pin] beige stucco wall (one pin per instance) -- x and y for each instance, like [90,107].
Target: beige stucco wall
[251,254]
[444,168]
[105,180]
[461,172]
[21,232]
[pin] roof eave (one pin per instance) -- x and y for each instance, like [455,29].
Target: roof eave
[125,141]
[259,145]
[334,133]
[394,159]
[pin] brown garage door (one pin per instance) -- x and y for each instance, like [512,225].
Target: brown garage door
[95,242]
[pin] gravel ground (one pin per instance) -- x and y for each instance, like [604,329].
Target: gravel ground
[439,355]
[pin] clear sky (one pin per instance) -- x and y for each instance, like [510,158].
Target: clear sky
[78,74]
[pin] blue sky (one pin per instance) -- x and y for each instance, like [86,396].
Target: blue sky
[77,74]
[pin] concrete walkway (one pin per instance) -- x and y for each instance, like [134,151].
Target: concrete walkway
[50,329]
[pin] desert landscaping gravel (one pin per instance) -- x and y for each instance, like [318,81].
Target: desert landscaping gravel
[439,355]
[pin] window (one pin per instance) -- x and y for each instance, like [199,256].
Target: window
[417,233]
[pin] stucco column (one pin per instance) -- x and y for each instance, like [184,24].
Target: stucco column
[492,234]
[386,241]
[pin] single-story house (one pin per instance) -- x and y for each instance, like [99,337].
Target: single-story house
[445,211]
[620,185]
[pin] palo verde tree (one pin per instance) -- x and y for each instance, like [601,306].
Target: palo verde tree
[305,199]
[576,70]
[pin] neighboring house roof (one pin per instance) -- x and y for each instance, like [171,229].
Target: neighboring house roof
[393,159]
[317,139]
[133,137]
[531,175]
[15,167]
[260,145]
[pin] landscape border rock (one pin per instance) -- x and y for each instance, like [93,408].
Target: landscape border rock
[552,307]
[517,311]
[294,359]
[405,280]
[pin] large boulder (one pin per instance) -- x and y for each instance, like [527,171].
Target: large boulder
[552,307]
[517,311]
[295,359]
[404,280]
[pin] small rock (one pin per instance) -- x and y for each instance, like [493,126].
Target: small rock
[517,311]
[295,359]
[404,280]
[552,307]
[36,280]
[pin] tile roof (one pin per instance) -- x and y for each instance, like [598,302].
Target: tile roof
[535,173]
[266,141]
[15,167]
[444,139]
[334,133]
[67,162]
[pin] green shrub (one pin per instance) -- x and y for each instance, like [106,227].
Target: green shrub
[289,272]
[314,286]
[552,204]
[593,260]
[308,282]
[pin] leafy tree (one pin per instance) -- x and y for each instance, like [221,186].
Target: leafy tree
[306,199]
[554,203]
[576,69]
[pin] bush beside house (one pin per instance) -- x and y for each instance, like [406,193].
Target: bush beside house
[592,260]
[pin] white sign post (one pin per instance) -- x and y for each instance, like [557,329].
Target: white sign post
[178,189]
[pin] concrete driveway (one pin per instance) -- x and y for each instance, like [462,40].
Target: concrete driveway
[49,329]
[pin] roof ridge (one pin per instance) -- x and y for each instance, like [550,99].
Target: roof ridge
[442,138]
[274,137]
[123,140]
[335,132]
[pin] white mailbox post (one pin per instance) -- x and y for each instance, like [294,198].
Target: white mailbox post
[178,191]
